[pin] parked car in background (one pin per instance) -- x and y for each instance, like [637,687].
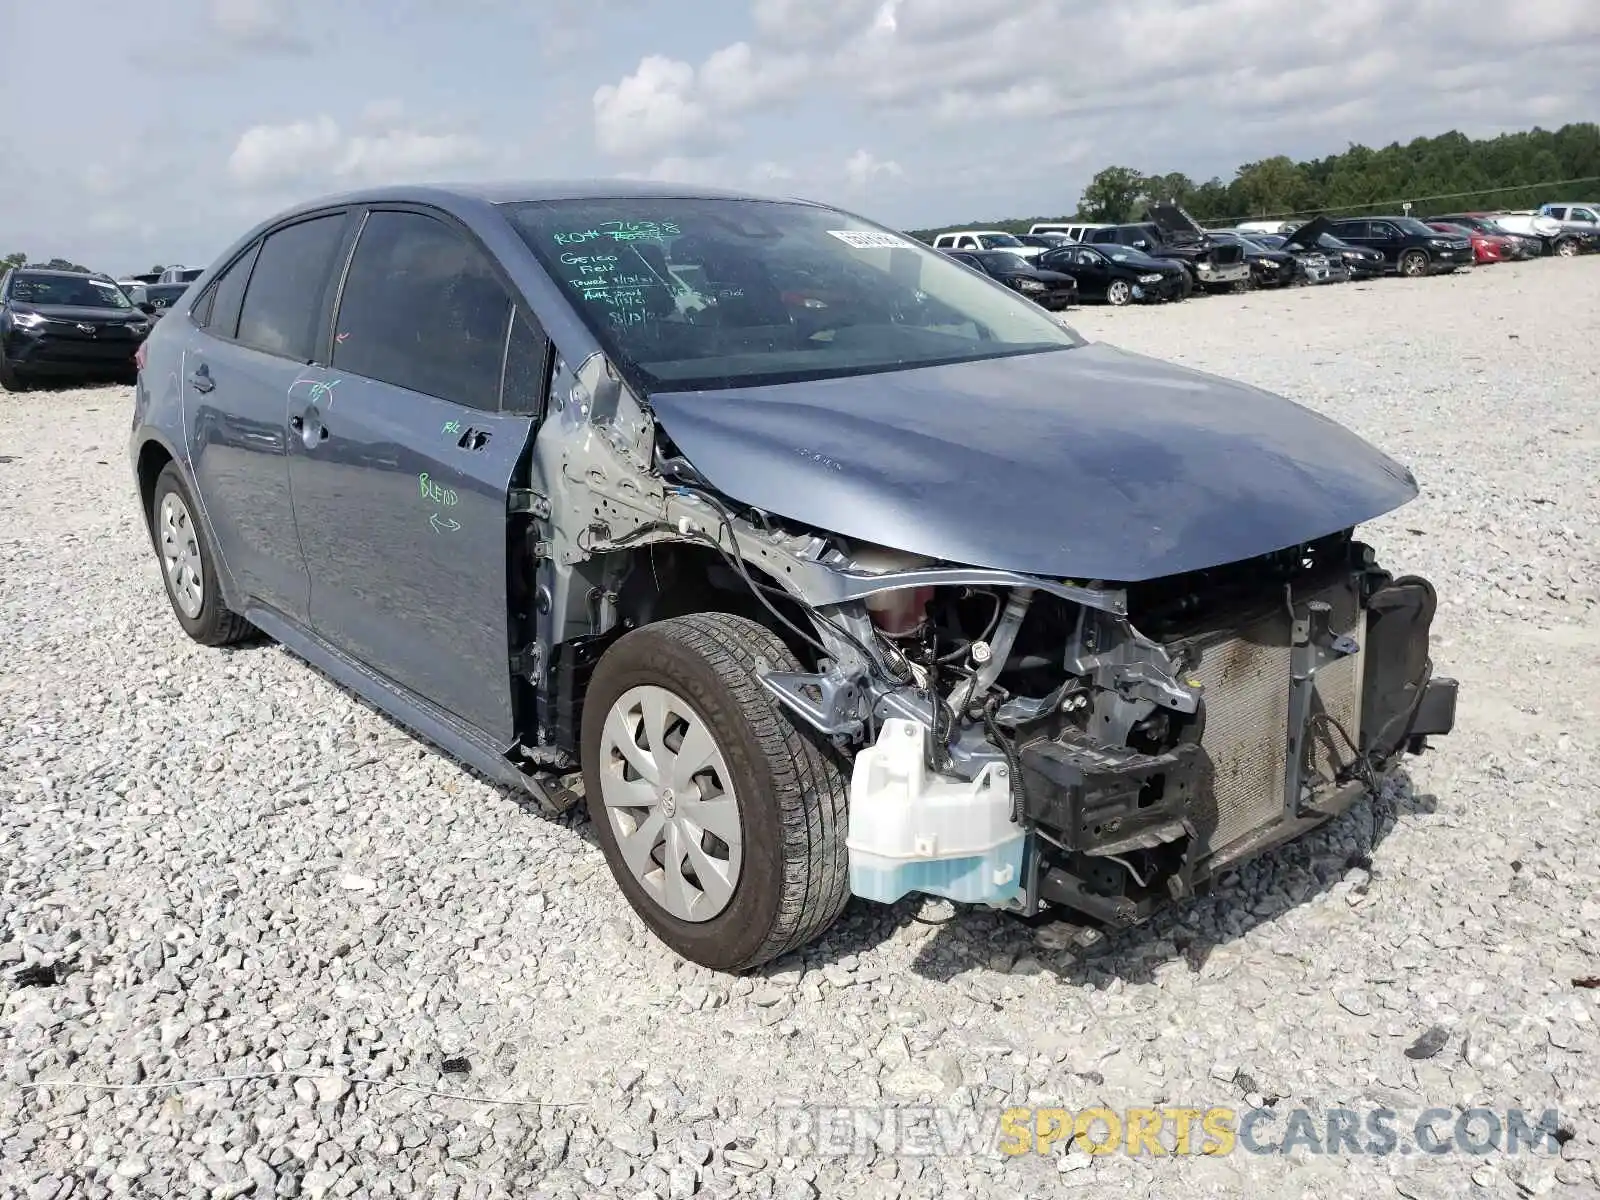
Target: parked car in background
[1360,262]
[984,239]
[1582,216]
[1046,288]
[181,274]
[62,324]
[1553,236]
[1118,274]
[1045,241]
[1268,227]
[133,281]
[1269,266]
[1408,246]
[1523,245]
[1212,266]
[1486,247]
[155,298]
[1078,231]
[1034,595]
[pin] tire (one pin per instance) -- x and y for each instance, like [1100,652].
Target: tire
[1413,264]
[790,793]
[187,565]
[1119,292]
[10,378]
[1567,247]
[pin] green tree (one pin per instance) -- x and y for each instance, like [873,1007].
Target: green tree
[1113,194]
[19,259]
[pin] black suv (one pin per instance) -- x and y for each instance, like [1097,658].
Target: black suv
[1408,246]
[64,323]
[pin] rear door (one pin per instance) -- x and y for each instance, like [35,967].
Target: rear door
[403,455]
[257,333]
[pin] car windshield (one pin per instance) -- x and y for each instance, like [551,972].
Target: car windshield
[163,294]
[1006,262]
[1122,254]
[1412,225]
[689,294]
[998,241]
[1328,242]
[73,291]
[1271,241]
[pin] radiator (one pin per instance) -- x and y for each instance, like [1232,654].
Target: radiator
[1245,673]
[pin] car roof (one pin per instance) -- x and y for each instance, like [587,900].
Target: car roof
[62,274]
[450,195]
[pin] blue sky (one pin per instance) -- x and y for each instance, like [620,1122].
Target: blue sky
[157,130]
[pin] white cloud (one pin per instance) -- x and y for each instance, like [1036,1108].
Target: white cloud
[267,156]
[862,167]
[655,108]
[257,25]
[667,106]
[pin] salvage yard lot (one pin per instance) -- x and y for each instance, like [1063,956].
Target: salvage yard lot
[242,870]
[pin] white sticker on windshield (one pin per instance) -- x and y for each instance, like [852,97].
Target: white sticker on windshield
[867,239]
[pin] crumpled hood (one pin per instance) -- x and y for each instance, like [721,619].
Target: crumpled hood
[1086,463]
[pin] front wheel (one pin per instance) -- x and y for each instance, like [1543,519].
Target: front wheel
[1119,292]
[723,822]
[1413,264]
[10,378]
[1567,247]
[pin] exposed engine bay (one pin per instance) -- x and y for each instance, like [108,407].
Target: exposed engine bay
[1023,742]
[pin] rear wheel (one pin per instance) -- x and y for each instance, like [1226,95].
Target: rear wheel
[723,823]
[187,566]
[10,378]
[1119,292]
[1413,264]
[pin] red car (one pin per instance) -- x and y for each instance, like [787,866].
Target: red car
[1486,247]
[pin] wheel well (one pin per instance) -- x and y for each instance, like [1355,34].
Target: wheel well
[153,457]
[669,579]
[673,579]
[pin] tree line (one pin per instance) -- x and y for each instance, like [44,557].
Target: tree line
[1448,173]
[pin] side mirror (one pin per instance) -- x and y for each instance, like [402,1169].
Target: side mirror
[146,308]
[1141,244]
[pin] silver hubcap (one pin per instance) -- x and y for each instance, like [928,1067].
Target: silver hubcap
[670,801]
[1568,249]
[1119,292]
[180,555]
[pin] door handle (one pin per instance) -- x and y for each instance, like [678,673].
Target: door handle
[309,434]
[201,380]
[473,439]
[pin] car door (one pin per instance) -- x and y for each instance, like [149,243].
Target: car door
[1091,270]
[402,460]
[1386,238]
[254,334]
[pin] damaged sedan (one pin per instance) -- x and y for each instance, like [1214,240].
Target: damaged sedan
[828,566]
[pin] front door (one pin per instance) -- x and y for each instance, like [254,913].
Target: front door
[258,328]
[401,459]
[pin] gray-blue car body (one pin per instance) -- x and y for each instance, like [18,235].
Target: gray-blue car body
[829,566]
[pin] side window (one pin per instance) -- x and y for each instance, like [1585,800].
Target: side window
[218,310]
[1583,214]
[284,300]
[522,389]
[1382,229]
[422,310]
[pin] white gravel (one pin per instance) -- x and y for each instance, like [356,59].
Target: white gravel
[240,869]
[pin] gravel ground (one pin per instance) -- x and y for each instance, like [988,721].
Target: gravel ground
[219,863]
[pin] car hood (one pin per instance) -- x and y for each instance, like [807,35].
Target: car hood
[1174,222]
[1052,277]
[1087,463]
[1306,236]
